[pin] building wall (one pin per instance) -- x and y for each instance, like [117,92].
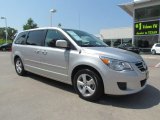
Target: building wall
[116,36]
[117,33]
[144,11]
[146,41]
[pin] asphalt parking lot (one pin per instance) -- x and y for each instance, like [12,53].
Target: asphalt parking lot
[36,98]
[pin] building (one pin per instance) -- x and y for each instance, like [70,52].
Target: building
[146,20]
[116,36]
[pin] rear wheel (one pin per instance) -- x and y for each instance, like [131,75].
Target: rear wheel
[19,67]
[88,85]
[153,52]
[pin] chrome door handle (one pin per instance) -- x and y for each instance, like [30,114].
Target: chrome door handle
[37,51]
[44,52]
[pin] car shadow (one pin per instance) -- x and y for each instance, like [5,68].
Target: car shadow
[147,98]
[54,83]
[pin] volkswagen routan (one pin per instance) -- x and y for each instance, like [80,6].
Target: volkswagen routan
[78,58]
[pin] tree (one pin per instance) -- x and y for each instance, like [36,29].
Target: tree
[30,24]
[59,25]
[11,32]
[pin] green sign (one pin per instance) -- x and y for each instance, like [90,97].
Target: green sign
[146,28]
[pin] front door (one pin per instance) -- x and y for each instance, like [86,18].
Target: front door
[55,60]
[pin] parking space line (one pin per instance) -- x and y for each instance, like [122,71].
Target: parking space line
[158,65]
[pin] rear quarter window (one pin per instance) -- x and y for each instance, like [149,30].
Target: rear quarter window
[21,38]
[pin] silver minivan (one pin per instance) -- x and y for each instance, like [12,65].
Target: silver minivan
[79,58]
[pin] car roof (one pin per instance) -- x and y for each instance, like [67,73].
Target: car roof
[43,28]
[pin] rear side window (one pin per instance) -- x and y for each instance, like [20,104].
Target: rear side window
[21,38]
[36,37]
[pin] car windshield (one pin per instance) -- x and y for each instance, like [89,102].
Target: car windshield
[84,39]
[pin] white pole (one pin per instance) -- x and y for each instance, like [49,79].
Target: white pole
[52,11]
[51,19]
[79,19]
[6,29]
[133,38]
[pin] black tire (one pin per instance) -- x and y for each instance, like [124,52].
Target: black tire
[95,85]
[19,67]
[153,52]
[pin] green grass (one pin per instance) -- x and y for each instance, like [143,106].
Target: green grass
[4,41]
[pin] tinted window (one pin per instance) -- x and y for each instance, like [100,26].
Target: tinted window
[36,37]
[147,12]
[158,45]
[52,36]
[21,38]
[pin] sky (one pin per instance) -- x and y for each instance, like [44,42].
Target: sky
[87,15]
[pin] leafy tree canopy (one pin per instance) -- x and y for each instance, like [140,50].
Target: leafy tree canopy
[30,24]
[11,32]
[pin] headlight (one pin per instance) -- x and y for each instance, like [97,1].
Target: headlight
[116,64]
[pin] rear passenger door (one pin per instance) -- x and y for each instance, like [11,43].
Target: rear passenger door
[32,50]
[55,60]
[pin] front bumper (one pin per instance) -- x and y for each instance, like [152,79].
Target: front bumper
[124,82]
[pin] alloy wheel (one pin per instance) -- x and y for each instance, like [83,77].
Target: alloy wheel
[19,66]
[86,85]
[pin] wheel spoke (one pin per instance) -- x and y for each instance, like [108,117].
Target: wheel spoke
[16,65]
[18,70]
[80,83]
[83,91]
[84,78]
[90,82]
[91,91]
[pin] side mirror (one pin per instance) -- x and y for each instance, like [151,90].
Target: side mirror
[62,44]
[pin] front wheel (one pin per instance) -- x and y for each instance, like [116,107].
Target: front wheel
[88,85]
[153,52]
[19,67]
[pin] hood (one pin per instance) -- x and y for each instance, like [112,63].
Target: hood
[113,53]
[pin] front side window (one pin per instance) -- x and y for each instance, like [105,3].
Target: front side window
[84,39]
[36,37]
[52,36]
[21,38]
